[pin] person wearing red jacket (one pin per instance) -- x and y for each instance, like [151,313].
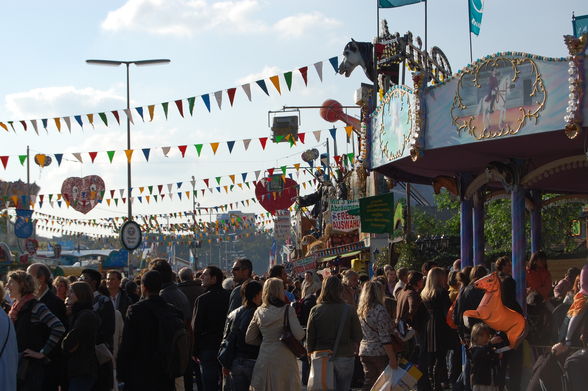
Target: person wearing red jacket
[538,276]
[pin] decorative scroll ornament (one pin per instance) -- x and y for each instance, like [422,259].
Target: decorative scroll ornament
[499,111]
[573,116]
[418,120]
[363,149]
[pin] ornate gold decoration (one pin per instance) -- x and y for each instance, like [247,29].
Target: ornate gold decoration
[394,92]
[573,116]
[538,90]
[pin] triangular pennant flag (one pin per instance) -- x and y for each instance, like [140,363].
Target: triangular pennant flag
[232,176]
[93,156]
[246,143]
[78,119]
[333,132]
[319,69]
[284,168]
[214,147]
[182,149]
[165,105]
[261,84]
[129,115]
[159,188]
[218,180]
[270,171]
[78,156]
[165,150]
[179,185]
[206,99]
[206,182]
[257,172]
[263,141]
[279,138]
[116,116]
[301,137]
[304,73]
[244,176]
[348,130]
[141,189]
[140,111]
[34,122]
[288,78]
[151,110]
[22,159]
[43,121]
[247,89]
[67,121]
[297,166]
[231,94]
[198,148]
[129,153]
[58,157]
[276,82]
[169,187]
[219,98]
[335,63]
[180,107]
[230,145]
[57,123]
[4,160]
[90,119]
[351,157]
[103,118]
[146,152]
[317,135]
[150,189]
[191,102]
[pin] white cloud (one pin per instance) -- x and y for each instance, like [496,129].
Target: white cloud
[298,25]
[57,101]
[185,18]
[265,73]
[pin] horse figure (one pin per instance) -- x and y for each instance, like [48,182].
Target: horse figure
[358,54]
[487,106]
[495,314]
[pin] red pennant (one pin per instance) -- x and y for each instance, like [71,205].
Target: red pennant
[263,140]
[301,137]
[4,160]
[111,193]
[206,182]
[270,171]
[182,149]
[231,94]
[92,155]
[180,109]
[337,159]
[160,188]
[115,113]
[304,73]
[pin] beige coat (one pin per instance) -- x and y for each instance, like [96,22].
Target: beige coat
[265,329]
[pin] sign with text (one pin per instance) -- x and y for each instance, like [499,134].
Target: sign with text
[341,220]
[377,213]
[282,224]
[303,265]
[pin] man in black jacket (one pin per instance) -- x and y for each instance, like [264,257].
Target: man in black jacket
[189,287]
[139,360]
[242,269]
[208,320]
[119,297]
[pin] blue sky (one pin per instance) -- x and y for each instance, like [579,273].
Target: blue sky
[213,45]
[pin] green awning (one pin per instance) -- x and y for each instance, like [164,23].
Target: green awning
[346,255]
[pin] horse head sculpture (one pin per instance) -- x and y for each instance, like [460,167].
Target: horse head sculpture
[495,314]
[358,54]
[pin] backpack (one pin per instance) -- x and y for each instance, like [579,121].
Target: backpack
[173,342]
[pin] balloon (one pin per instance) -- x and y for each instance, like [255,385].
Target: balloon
[275,193]
[43,160]
[83,193]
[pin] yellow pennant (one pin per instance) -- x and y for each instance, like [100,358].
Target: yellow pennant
[232,178]
[348,130]
[151,109]
[4,126]
[276,82]
[58,123]
[141,188]
[214,147]
[129,153]
[91,119]
[108,201]
[297,166]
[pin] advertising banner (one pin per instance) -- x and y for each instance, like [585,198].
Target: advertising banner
[282,224]
[340,219]
[377,213]
[304,264]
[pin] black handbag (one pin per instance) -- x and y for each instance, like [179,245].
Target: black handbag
[289,340]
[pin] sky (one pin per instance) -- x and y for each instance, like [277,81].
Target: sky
[212,45]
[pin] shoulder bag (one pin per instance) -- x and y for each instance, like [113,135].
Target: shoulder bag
[288,338]
[322,370]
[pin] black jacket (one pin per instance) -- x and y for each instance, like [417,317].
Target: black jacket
[237,323]
[208,320]
[484,365]
[55,305]
[192,290]
[79,344]
[174,296]
[104,308]
[123,303]
[469,299]
[139,364]
[508,288]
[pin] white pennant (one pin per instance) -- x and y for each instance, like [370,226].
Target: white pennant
[67,121]
[219,98]
[257,174]
[165,150]
[169,187]
[121,191]
[34,123]
[319,69]
[129,115]
[247,89]
[171,196]
[78,156]
[317,135]
[246,143]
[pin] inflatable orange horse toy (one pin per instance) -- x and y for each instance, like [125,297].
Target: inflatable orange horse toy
[495,314]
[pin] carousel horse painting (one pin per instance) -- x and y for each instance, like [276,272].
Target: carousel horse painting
[497,102]
[358,54]
[497,315]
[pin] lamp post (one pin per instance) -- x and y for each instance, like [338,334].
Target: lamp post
[117,63]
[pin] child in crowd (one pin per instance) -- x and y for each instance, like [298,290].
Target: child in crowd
[484,360]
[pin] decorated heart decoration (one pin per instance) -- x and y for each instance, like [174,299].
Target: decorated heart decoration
[83,194]
[275,193]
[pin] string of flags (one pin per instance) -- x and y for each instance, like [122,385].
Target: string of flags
[182,105]
[195,150]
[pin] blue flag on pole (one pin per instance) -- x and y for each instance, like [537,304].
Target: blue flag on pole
[580,24]
[396,3]
[476,8]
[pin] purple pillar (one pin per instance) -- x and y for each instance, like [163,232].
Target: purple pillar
[519,243]
[536,222]
[465,232]
[478,230]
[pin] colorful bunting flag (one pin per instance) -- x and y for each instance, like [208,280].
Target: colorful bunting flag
[276,82]
[206,99]
[261,84]
[247,90]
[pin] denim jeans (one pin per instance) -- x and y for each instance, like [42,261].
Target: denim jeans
[82,383]
[241,373]
[211,369]
[343,372]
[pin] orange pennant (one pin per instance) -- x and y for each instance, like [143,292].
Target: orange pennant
[129,153]
[214,147]
[276,82]
[151,109]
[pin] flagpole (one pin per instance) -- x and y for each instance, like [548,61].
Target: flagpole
[470,30]
[425,26]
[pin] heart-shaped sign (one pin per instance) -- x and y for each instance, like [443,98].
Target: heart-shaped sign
[275,193]
[83,194]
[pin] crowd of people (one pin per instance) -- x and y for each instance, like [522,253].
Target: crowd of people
[209,331]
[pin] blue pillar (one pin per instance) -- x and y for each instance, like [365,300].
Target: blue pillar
[465,232]
[536,222]
[478,230]
[519,243]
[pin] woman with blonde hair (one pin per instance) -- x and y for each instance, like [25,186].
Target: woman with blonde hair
[265,329]
[61,285]
[375,349]
[438,334]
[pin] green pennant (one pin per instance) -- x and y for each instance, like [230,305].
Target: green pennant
[351,156]
[164,105]
[22,159]
[231,187]
[218,179]
[288,78]
[292,142]
[116,201]
[110,155]
[283,169]
[279,138]
[150,189]
[50,197]
[198,148]
[155,197]
[103,118]
[191,104]
[247,183]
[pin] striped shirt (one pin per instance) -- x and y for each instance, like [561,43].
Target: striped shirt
[41,314]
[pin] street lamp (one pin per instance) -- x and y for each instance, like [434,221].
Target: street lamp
[127,63]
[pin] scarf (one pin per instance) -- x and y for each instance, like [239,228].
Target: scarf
[17,306]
